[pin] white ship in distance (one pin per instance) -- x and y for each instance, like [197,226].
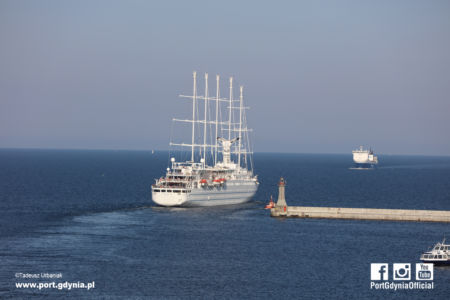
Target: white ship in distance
[364,159]
[218,167]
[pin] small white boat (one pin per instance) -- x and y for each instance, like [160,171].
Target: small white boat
[439,255]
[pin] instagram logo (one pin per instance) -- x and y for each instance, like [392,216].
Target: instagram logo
[402,271]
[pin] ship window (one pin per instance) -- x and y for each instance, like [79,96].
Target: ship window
[163,191]
[442,248]
[176,191]
[439,256]
[157,190]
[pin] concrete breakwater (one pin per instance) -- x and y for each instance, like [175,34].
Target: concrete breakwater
[361,213]
[281,209]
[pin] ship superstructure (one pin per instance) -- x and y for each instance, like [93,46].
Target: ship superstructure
[220,168]
[364,158]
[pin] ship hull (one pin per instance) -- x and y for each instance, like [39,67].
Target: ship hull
[232,193]
[364,159]
[364,165]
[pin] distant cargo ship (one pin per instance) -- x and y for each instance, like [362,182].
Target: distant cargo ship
[364,159]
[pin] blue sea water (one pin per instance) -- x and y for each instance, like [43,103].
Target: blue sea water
[88,215]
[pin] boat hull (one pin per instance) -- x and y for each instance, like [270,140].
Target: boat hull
[436,263]
[232,193]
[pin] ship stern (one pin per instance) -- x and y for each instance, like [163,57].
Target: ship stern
[165,197]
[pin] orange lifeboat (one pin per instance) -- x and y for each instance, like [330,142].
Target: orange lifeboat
[219,181]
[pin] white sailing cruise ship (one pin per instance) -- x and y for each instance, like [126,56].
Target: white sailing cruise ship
[220,168]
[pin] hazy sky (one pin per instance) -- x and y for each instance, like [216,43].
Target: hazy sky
[320,76]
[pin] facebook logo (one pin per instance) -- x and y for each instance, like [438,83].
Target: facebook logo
[379,272]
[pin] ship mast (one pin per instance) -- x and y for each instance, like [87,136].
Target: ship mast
[242,130]
[217,116]
[204,127]
[193,114]
[231,104]
[241,97]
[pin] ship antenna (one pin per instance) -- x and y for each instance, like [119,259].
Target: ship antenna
[217,116]
[193,113]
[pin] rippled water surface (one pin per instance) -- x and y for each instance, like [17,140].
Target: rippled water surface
[88,215]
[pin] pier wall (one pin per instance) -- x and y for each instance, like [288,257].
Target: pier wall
[361,213]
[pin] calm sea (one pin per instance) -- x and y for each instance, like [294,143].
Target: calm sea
[88,215]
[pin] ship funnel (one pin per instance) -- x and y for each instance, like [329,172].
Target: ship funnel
[226,145]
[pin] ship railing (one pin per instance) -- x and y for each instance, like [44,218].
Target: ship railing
[186,164]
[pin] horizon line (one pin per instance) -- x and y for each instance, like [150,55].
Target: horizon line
[168,150]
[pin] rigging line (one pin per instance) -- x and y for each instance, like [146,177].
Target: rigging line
[211,113]
[251,147]
[247,135]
